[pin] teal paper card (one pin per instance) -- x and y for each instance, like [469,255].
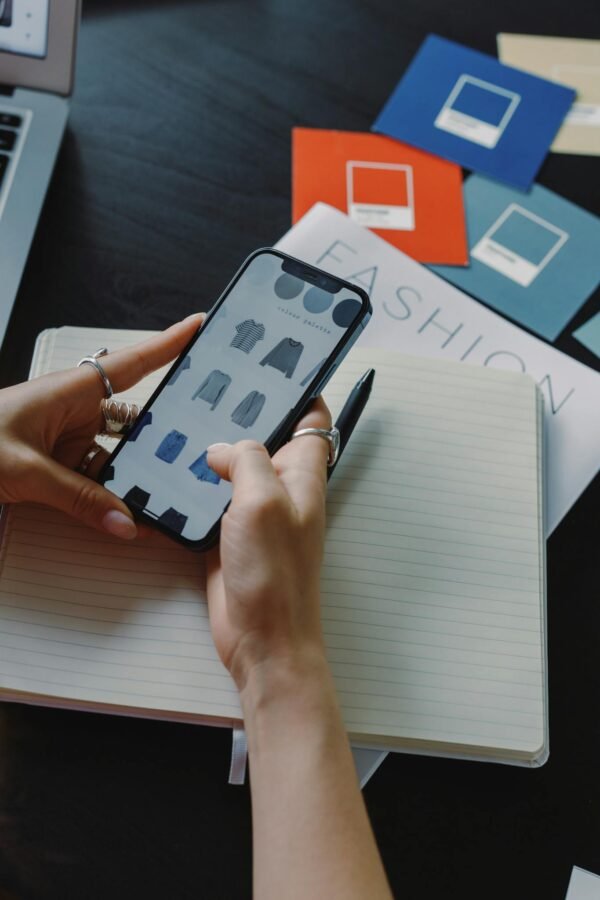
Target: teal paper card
[589,334]
[533,257]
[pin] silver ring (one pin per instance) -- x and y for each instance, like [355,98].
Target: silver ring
[91,454]
[331,435]
[93,361]
[118,416]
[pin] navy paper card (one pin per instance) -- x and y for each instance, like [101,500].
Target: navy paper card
[470,108]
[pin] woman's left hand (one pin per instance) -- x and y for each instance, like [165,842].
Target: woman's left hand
[48,424]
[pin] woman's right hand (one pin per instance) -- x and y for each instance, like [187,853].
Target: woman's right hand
[264,606]
[263,582]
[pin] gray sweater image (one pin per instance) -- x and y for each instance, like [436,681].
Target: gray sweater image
[284,356]
[213,387]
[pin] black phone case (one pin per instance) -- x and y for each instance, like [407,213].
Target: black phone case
[284,430]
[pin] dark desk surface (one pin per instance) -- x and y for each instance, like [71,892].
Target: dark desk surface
[177,164]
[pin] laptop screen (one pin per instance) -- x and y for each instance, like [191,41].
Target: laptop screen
[24,27]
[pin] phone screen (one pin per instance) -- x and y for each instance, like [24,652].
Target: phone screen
[261,350]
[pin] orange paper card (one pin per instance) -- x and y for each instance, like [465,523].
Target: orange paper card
[410,198]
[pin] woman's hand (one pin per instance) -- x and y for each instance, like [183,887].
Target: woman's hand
[263,583]
[263,601]
[48,424]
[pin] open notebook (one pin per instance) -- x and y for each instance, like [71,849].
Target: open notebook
[433,582]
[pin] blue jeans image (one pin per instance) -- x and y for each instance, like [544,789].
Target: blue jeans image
[171,446]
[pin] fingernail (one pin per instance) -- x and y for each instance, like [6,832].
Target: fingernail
[216,447]
[193,316]
[117,523]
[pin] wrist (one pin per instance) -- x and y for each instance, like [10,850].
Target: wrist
[293,722]
[283,691]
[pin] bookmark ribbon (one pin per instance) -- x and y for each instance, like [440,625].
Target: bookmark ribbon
[239,755]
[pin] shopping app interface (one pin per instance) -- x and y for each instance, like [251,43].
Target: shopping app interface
[256,357]
[24,27]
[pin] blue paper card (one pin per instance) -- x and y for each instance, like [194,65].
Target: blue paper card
[470,108]
[534,257]
[588,334]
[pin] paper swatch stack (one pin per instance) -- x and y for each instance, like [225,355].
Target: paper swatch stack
[516,246]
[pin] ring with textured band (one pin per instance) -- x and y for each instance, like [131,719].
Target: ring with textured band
[93,361]
[89,457]
[119,415]
[331,435]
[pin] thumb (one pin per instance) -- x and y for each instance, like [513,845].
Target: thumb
[219,459]
[80,497]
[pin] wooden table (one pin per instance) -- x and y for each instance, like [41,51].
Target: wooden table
[175,166]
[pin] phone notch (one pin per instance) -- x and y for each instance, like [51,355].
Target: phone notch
[313,276]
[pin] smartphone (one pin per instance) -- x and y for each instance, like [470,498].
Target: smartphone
[267,347]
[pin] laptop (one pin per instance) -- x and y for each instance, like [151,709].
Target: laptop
[37,57]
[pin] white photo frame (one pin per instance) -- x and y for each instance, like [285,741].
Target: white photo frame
[469,127]
[392,216]
[506,260]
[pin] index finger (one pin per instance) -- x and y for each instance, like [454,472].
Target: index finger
[124,368]
[250,470]
[302,463]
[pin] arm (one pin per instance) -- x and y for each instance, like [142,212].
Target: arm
[312,837]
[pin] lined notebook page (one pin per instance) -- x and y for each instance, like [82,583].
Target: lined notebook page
[433,590]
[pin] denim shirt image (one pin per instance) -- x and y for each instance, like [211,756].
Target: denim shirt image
[284,356]
[213,387]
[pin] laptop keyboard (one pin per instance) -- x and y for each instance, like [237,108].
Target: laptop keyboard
[13,126]
[9,129]
[9,120]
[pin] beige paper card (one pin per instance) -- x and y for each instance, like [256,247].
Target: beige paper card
[574,62]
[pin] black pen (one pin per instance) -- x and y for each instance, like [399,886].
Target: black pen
[352,411]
